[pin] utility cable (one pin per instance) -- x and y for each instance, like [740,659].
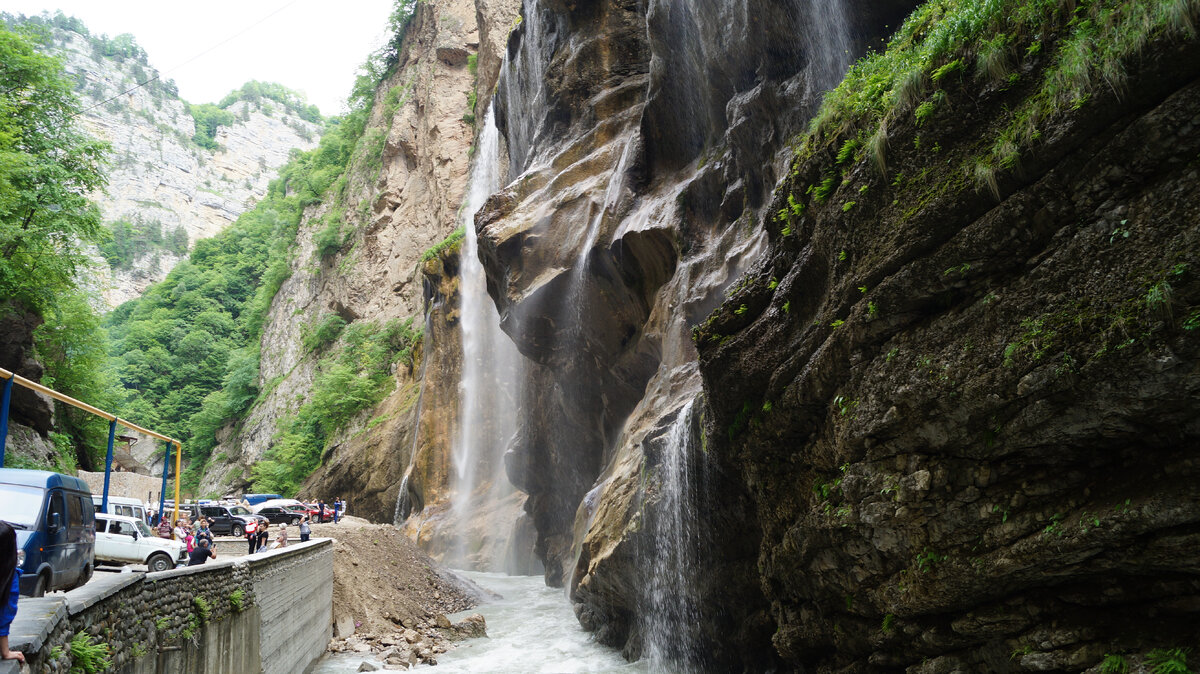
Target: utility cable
[158,75]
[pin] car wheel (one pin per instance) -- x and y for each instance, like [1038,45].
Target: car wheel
[85,576]
[294,521]
[159,562]
[39,588]
[238,530]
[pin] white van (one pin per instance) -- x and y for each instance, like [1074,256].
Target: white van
[127,540]
[122,505]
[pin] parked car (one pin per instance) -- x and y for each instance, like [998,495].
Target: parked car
[52,514]
[314,511]
[280,515]
[229,520]
[127,540]
[121,505]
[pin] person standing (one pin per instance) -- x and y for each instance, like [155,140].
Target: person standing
[321,511]
[203,532]
[305,530]
[10,588]
[263,535]
[281,539]
[337,505]
[201,554]
[252,536]
[164,527]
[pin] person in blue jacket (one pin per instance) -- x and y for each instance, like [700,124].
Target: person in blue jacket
[10,588]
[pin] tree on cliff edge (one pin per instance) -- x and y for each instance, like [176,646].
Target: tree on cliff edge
[47,170]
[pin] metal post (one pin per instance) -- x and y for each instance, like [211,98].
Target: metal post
[4,417]
[162,493]
[112,432]
[178,474]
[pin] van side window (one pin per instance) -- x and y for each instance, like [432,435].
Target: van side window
[55,506]
[125,510]
[89,518]
[73,508]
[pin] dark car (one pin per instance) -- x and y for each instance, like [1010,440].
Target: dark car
[277,515]
[55,525]
[228,520]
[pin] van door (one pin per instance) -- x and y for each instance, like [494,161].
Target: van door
[57,548]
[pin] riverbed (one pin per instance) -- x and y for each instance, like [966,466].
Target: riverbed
[530,629]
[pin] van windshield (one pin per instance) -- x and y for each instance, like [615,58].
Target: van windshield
[21,505]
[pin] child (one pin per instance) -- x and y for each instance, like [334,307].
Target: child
[10,578]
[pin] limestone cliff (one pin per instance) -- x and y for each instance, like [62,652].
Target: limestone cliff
[402,200]
[158,173]
[945,423]
[643,141]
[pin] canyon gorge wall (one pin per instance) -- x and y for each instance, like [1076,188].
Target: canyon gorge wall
[845,395]
[157,172]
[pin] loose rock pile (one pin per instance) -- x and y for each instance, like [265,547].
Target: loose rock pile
[391,600]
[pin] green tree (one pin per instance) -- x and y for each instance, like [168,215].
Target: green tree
[47,170]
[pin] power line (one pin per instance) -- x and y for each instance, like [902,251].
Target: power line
[211,49]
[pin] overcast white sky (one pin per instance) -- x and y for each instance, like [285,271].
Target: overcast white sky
[312,46]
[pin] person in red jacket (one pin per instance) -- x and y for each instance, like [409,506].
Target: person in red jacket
[252,536]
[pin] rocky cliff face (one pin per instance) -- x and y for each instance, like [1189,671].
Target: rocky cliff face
[401,203]
[158,173]
[642,140]
[920,407]
[965,413]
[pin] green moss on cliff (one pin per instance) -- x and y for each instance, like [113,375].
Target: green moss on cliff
[1088,45]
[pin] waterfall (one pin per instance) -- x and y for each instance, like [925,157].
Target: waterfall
[827,41]
[522,87]
[491,371]
[670,609]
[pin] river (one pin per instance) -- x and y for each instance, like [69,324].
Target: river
[531,629]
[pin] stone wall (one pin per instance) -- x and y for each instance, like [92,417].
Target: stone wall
[128,485]
[269,612]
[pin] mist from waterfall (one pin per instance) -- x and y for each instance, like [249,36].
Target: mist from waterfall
[489,390]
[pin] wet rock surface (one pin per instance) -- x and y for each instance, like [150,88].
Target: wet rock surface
[641,136]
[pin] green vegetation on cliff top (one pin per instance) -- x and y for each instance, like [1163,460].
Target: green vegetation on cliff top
[1092,42]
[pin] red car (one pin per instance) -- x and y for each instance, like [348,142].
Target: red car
[314,512]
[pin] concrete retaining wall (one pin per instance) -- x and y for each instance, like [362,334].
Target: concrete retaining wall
[269,612]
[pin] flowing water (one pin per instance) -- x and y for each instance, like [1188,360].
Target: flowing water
[530,629]
[491,367]
[670,611]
